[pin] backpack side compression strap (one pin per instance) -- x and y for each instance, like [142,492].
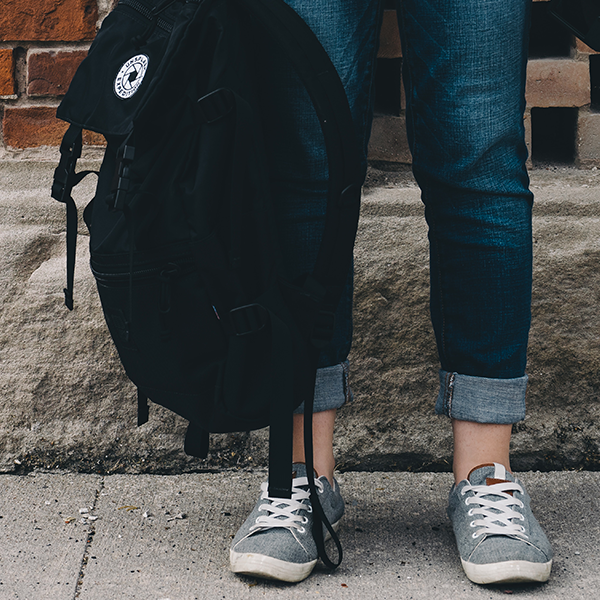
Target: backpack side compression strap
[65,179]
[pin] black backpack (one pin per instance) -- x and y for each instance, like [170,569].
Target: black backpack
[582,17]
[183,243]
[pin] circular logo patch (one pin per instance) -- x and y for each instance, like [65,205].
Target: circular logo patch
[130,76]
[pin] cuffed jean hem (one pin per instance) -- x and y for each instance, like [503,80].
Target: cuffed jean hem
[331,388]
[481,399]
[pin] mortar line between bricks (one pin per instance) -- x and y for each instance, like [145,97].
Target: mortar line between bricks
[88,544]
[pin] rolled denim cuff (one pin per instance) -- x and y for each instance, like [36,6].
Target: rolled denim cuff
[481,399]
[331,388]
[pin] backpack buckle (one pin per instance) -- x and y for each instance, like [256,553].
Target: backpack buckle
[216,105]
[248,319]
[125,158]
[70,151]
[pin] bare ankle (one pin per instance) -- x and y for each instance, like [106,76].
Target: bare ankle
[323,423]
[476,444]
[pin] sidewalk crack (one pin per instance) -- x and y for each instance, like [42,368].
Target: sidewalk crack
[88,544]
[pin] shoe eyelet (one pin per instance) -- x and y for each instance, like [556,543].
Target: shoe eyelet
[470,513]
[304,520]
[301,530]
[309,509]
[474,535]
[467,501]
[522,517]
[472,524]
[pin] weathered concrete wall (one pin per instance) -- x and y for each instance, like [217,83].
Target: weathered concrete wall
[66,403]
[395,361]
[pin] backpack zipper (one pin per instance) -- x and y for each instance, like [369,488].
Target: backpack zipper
[147,13]
[140,274]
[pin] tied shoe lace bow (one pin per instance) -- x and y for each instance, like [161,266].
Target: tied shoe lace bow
[496,512]
[282,511]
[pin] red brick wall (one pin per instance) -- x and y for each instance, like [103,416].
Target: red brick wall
[41,44]
[43,41]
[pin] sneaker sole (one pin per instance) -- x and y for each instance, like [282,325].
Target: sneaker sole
[267,567]
[512,571]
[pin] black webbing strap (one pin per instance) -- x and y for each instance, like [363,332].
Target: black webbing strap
[196,441]
[319,517]
[279,386]
[242,145]
[65,179]
[143,410]
[213,261]
[281,411]
[71,249]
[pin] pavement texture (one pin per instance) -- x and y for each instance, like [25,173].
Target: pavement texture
[66,536]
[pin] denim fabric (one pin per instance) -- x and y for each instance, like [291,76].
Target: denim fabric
[331,388]
[464,71]
[481,399]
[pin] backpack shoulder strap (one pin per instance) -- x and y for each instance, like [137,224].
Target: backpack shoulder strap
[334,259]
[327,93]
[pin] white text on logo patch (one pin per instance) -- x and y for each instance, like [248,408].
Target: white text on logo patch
[130,76]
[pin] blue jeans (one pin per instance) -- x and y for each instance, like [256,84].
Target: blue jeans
[464,71]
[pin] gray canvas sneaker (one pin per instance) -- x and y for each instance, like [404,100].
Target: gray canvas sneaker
[498,538]
[276,541]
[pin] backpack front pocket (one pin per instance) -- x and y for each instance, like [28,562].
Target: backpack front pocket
[166,330]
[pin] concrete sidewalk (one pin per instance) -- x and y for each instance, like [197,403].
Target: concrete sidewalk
[152,537]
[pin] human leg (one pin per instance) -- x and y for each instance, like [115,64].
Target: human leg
[276,540]
[323,424]
[465,104]
[464,76]
[479,444]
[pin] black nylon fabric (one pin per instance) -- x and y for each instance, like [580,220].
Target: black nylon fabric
[91,101]
[195,237]
[203,240]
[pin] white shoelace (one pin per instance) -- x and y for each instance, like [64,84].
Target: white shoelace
[282,511]
[496,513]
